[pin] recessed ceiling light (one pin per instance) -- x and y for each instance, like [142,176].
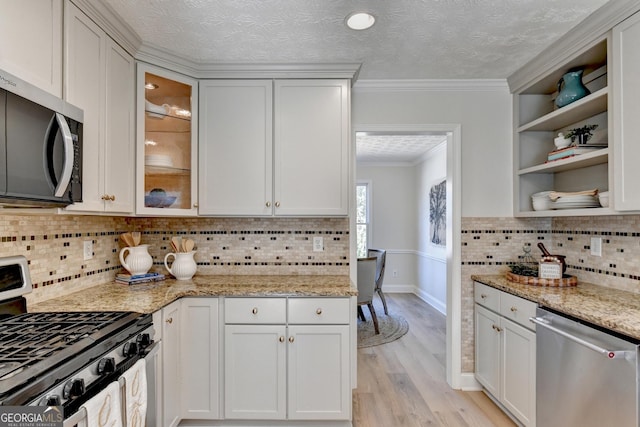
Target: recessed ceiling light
[360,20]
[150,86]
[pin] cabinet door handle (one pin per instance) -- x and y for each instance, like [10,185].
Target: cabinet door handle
[281,339]
[514,309]
[169,320]
[318,311]
[291,339]
[277,204]
[268,204]
[496,328]
[254,310]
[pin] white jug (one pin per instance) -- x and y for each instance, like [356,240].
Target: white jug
[138,261]
[183,266]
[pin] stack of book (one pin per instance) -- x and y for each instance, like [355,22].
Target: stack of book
[129,279]
[571,151]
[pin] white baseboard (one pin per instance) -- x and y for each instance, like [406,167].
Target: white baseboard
[399,289]
[468,382]
[438,305]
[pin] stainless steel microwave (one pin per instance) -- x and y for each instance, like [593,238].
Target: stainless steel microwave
[40,147]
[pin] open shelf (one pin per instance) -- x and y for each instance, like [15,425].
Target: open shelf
[580,161]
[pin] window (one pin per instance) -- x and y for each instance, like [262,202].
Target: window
[363,218]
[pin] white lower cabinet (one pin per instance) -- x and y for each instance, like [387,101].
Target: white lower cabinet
[505,353]
[276,369]
[199,359]
[169,399]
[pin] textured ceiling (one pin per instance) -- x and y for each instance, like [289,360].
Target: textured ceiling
[412,39]
[397,149]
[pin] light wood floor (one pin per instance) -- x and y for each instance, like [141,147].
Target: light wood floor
[403,383]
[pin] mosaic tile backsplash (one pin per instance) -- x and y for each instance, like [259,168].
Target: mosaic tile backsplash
[489,245]
[53,245]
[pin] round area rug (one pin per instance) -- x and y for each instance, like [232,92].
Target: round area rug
[391,328]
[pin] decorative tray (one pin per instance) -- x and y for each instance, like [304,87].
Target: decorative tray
[537,281]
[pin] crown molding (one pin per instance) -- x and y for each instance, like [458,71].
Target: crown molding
[158,56]
[593,28]
[434,85]
[107,19]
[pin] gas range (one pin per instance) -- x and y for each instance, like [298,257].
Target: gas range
[62,359]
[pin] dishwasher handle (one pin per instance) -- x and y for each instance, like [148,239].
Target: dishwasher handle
[610,354]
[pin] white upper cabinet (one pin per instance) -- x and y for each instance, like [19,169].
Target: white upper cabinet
[99,78]
[626,95]
[31,42]
[274,147]
[167,152]
[235,145]
[311,147]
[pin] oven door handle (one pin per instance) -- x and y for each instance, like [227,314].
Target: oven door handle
[75,418]
[610,354]
[152,350]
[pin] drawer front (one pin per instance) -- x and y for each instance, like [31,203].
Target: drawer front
[518,309]
[487,296]
[319,311]
[255,310]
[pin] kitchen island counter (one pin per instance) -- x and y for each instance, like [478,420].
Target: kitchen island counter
[150,297]
[613,309]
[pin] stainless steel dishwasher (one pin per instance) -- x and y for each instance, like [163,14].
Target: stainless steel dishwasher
[584,376]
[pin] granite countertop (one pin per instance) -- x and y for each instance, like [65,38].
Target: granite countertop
[610,308]
[150,297]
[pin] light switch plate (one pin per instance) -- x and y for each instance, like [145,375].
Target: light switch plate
[318,244]
[87,250]
[596,246]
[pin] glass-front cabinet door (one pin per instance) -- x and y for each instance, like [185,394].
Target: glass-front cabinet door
[166,142]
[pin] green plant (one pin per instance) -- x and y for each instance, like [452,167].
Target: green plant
[525,269]
[583,134]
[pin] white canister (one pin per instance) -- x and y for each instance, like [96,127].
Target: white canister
[183,266]
[137,261]
[561,142]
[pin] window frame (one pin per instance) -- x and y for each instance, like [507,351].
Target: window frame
[368,214]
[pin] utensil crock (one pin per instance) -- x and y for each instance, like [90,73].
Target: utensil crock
[136,259]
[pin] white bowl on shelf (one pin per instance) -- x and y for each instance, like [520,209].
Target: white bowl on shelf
[541,201]
[604,199]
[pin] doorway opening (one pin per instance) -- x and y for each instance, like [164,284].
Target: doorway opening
[401,166]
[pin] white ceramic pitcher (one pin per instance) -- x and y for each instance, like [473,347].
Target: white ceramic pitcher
[137,261]
[183,266]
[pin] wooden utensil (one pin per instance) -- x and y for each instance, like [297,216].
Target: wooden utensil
[188,245]
[127,239]
[136,237]
[176,242]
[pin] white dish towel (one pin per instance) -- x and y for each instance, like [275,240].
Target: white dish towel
[103,410]
[135,392]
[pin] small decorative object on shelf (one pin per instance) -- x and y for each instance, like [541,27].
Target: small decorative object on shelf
[571,88]
[550,268]
[561,141]
[582,134]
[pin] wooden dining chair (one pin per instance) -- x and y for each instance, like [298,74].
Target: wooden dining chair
[366,288]
[381,259]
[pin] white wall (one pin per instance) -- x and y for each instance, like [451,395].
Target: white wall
[483,109]
[431,262]
[393,219]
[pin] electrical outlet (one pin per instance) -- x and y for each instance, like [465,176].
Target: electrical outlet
[395,273]
[318,244]
[88,250]
[596,246]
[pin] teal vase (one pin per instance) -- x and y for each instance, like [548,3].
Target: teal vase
[570,88]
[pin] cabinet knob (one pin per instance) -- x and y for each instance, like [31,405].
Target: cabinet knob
[195,205]
[318,311]
[277,204]
[268,204]
[255,310]
[112,198]
[169,320]
[291,339]
[105,197]
[514,309]
[496,328]
[483,296]
[281,339]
